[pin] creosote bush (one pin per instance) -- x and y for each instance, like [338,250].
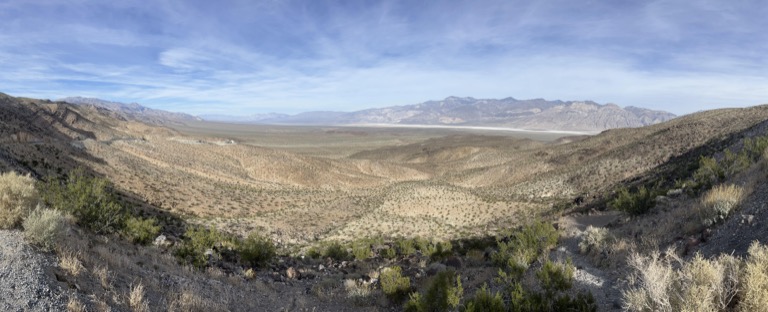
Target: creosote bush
[394,285]
[256,250]
[45,227]
[443,294]
[141,231]
[336,251]
[18,197]
[90,200]
[634,203]
[484,301]
[524,245]
[200,240]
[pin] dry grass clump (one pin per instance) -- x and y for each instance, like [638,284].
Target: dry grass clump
[188,301]
[136,298]
[75,305]
[357,291]
[718,202]
[44,227]
[18,197]
[719,284]
[69,262]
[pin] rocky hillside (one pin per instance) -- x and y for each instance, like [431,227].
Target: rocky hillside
[537,114]
[134,111]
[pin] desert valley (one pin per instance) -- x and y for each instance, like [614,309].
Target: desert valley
[316,217]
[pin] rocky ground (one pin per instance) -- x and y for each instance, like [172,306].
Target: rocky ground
[27,278]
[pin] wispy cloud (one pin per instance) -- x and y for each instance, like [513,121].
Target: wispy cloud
[291,56]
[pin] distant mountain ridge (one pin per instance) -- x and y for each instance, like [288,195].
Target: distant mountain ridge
[134,110]
[536,114]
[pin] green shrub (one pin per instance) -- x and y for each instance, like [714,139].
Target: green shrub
[389,253]
[521,300]
[709,173]
[90,200]
[18,197]
[634,203]
[394,285]
[256,250]
[484,301]
[361,250]
[415,303]
[525,245]
[45,227]
[198,241]
[314,252]
[405,246]
[734,163]
[554,277]
[443,294]
[336,251]
[141,231]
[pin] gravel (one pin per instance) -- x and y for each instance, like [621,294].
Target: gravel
[27,281]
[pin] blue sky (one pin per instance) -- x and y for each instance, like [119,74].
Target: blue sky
[244,57]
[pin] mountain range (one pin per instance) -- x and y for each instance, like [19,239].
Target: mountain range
[536,114]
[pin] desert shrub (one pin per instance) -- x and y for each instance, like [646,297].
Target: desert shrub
[415,303]
[44,227]
[554,277]
[522,300]
[358,292]
[405,246]
[525,245]
[336,251]
[754,286]
[314,252]
[734,163]
[440,250]
[709,173]
[634,203]
[484,301]
[18,197]
[394,285]
[697,285]
[718,202]
[141,231]
[199,241]
[389,253]
[754,147]
[594,239]
[256,250]
[443,294]
[361,250]
[90,200]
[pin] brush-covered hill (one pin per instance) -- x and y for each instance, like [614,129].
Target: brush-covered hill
[134,111]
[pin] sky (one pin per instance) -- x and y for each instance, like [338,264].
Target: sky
[246,57]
